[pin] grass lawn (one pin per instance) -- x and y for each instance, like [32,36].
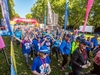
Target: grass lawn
[21,67]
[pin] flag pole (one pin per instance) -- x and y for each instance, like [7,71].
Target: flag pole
[5,55]
[66,15]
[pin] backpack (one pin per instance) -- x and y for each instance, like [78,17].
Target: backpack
[97,58]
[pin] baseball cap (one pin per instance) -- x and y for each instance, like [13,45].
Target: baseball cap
[96,35]
[83,41]
[47,36]
[82,36]
[78,38]
[44,33]
[68,35]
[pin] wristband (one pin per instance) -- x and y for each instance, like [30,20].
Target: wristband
[80,65]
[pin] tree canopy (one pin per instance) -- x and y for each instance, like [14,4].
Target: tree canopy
[29,16]
[77,10]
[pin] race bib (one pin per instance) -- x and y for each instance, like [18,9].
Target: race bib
[44,70]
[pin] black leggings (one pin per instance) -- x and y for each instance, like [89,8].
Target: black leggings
[76,71]
[18,43]
[88,53]
[65,59]
[55,50]
[96,69]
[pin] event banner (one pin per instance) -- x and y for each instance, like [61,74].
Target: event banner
[5,29]
[88,8]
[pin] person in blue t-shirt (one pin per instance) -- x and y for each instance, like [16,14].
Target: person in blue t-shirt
[56,45]
[74,36]
[41,64]
[82,36]
[37,44]
[43,35]
[65,49]
[18,34]
[25,48]
[89,47]
[47,42]
[94,41]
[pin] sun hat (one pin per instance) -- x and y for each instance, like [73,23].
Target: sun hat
[44,49]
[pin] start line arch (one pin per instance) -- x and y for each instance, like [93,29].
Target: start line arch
[17,20]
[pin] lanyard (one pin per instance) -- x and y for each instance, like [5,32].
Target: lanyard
[44,63]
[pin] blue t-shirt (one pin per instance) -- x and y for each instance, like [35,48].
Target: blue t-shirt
[48,44]
[41,65]
[18,34]
[72,38]
[94,41]
[36,44]
[25,47]
[89,46]
[56,43]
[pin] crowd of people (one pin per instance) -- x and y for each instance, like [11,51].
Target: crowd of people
[44,43]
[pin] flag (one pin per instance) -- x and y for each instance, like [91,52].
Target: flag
[88,8]
[13,61]
[5,13]
[66,15]
[2,45]
[49,14]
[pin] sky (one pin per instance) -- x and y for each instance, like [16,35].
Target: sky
[23,7]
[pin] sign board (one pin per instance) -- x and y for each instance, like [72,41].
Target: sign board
[89,29]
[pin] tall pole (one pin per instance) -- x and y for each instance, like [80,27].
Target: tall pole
[45,17]
[66,15]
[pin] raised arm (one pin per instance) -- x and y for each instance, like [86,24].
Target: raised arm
[17,39]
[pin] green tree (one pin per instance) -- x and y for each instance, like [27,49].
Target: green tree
[77,9]
[29,16]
